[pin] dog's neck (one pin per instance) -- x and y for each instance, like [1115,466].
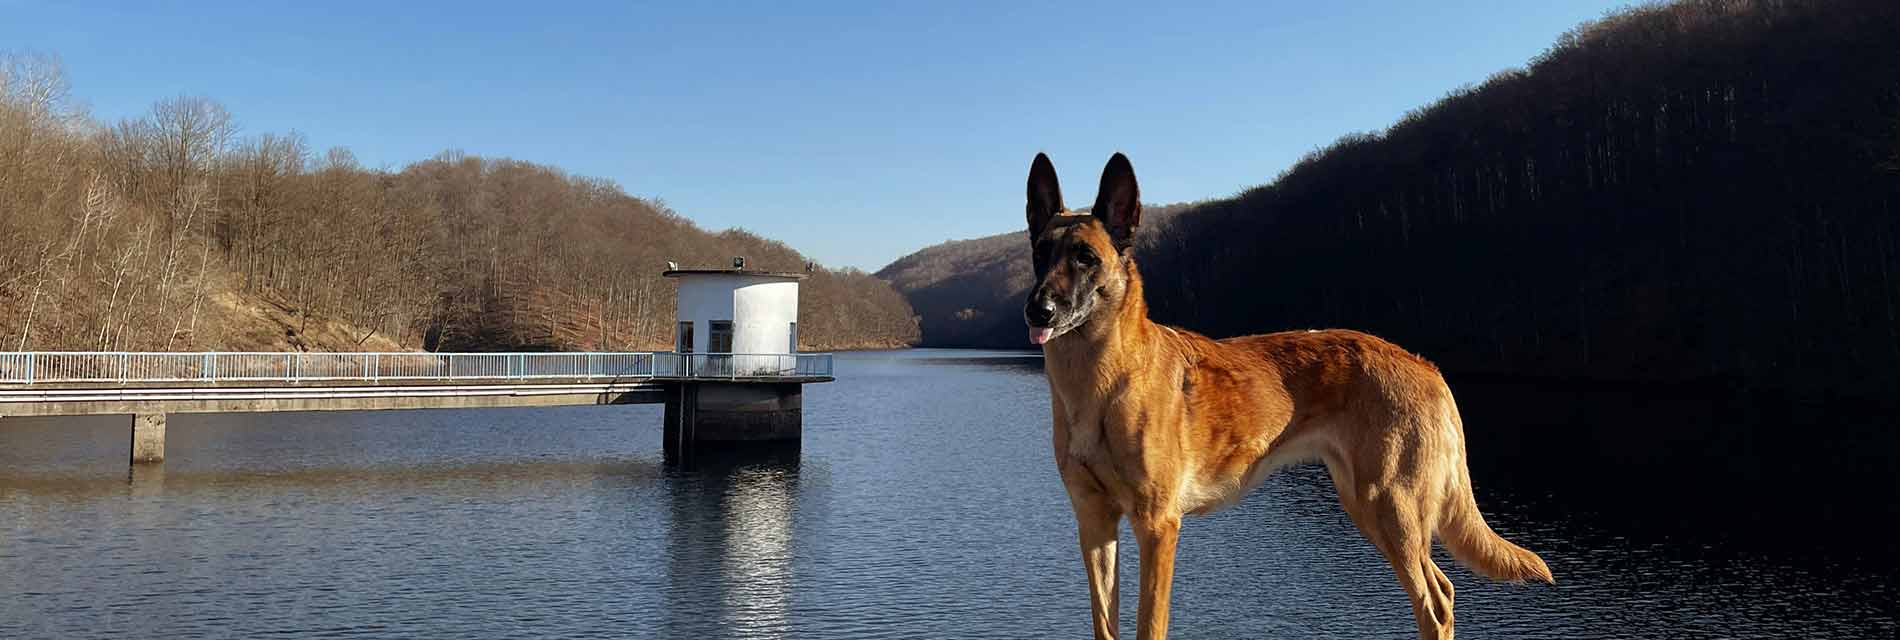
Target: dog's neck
[1116,340]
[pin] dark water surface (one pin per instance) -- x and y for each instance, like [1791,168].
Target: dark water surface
[924,504]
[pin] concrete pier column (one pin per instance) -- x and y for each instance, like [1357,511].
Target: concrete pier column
[709,417]
[682,403]
[751,413]
[148,438]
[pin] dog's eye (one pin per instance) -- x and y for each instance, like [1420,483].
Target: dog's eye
[1086,259]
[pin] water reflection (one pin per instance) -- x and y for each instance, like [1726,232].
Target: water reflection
[1688,461]
[923,504]
[729,546]
[146,480]
[490,479]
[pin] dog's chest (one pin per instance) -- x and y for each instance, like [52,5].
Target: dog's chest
[1087,434]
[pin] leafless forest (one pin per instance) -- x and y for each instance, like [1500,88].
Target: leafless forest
[1704,190]
[178,230]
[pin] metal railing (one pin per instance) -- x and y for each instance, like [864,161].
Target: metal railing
[123,367]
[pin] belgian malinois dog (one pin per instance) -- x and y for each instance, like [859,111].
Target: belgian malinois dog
[1154,422]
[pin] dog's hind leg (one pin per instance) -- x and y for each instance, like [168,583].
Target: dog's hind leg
[1428,587]
[1395,524]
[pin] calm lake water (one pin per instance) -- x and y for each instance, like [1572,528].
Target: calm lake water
[924,504]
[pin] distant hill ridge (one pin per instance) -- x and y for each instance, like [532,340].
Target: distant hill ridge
[969,293]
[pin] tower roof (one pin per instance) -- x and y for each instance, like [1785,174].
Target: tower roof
[675,273]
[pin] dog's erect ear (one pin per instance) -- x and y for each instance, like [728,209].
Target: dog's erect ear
[1118,202]
[1045,195]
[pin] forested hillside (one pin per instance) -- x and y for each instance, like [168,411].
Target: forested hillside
[177,231]
[1677,192]
[1684,191]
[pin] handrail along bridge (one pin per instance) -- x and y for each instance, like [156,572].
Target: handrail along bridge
[102,367]
[709,396]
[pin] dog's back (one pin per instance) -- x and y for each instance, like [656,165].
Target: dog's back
[1392,421]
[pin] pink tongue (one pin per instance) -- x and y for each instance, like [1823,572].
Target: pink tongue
[1039,336]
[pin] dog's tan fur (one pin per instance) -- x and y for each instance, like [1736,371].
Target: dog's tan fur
[1154,422]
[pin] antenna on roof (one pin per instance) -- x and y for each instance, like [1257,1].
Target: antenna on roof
[672,266]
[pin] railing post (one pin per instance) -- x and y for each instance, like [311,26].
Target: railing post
[125,361]
[451,373]
[375,366]
[29,368]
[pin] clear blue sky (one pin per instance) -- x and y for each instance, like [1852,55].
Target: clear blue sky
[855,132]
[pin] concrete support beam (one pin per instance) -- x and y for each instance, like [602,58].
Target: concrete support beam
[148,438]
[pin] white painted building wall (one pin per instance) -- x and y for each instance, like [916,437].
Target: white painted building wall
[764,309]
[702,299]
[761,308]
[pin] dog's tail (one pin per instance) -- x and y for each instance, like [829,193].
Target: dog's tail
[1462,529]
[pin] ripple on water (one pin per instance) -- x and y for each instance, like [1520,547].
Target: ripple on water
[923,504]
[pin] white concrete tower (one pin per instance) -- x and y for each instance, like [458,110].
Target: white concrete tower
[734,310]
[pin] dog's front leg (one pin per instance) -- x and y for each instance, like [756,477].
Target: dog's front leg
[1157,535]
[1097,524]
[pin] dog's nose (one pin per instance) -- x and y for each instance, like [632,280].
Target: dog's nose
[1040,311]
